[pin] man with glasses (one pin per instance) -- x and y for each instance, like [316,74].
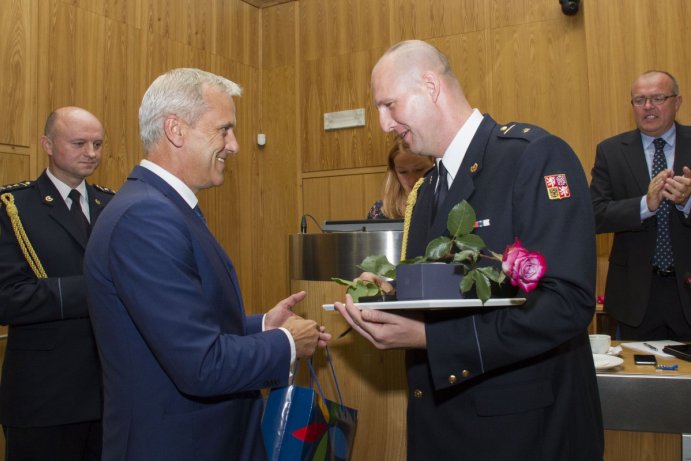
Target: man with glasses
[640,189]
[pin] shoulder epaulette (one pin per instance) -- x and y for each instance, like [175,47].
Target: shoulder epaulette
[521,131]
[104,189]
[16,186]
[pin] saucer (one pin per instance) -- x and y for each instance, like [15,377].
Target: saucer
[605,362]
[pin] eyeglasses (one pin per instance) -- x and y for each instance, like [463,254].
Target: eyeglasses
[657,99]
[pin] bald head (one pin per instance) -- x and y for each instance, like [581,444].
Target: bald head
[418,96]
[416,55]
[73,140]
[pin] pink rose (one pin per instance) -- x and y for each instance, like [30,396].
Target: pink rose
[524,268]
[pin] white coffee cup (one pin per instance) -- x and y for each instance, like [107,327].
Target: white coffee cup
[600,343]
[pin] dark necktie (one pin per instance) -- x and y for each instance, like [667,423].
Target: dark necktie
[442,188]
[662,258]
[198,212]
[77,213]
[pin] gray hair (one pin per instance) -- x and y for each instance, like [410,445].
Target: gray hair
[675,84]
[178,92]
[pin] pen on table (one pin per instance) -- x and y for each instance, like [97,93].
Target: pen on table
[673,367]
[652,348]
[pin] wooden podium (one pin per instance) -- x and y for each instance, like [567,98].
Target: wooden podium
[372,381]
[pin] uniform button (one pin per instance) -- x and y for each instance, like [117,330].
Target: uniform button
[452,379]
[417,393]
[465,373]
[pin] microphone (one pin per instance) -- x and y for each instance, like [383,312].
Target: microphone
[303,223]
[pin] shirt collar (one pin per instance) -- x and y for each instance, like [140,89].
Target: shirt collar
[453,157]
[64,189]
[669,136]
[172,180]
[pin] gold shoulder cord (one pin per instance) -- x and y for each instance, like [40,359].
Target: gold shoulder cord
[24,243]
[409,205]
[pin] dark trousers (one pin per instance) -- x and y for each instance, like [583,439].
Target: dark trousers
[664,318]
[67,442]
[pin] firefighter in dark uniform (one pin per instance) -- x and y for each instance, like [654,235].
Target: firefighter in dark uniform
[50,390]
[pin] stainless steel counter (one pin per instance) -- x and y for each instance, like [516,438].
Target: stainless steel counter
[337,254]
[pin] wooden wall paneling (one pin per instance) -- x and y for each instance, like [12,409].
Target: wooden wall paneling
[275,177]
[469,55]
[336,27]
[335,84]
[18,24]
[125,82]
[370,380]
[427,19]
[537,73]
[279,49]
[316,201]
[341,197]
[123,11]
[71,62]
[510,13]
[621,44]
[14,166]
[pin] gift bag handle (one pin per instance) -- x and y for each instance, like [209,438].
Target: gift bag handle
[313,376]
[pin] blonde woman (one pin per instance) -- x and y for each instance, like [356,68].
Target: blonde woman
[404,169]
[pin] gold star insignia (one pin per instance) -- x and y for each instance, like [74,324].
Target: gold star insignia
[473,168]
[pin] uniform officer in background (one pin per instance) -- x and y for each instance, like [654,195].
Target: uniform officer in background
[50,392]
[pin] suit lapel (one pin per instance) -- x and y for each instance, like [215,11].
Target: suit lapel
[58,211]
[634,156]
[682,149]
[205,238]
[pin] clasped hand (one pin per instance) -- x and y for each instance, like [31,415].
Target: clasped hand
[307,334]
[667,186]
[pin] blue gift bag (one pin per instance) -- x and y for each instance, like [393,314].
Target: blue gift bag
[299,424]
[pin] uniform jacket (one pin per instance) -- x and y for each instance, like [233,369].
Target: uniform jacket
[51,374]
[519,382]
[182,364]
[620,177]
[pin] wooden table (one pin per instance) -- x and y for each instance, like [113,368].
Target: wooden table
[643,399]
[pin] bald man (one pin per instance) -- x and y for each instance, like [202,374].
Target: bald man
[50,392]
[648,294]
[492,384]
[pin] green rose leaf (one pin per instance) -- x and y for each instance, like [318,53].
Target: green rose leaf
[461,219]
[360,289]
[378,265]
[470,242]
[466,256]
[492,274]
[439,248]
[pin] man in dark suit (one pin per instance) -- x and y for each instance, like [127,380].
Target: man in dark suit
[511,383]
[182,363]
[647,289]
[50,392]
